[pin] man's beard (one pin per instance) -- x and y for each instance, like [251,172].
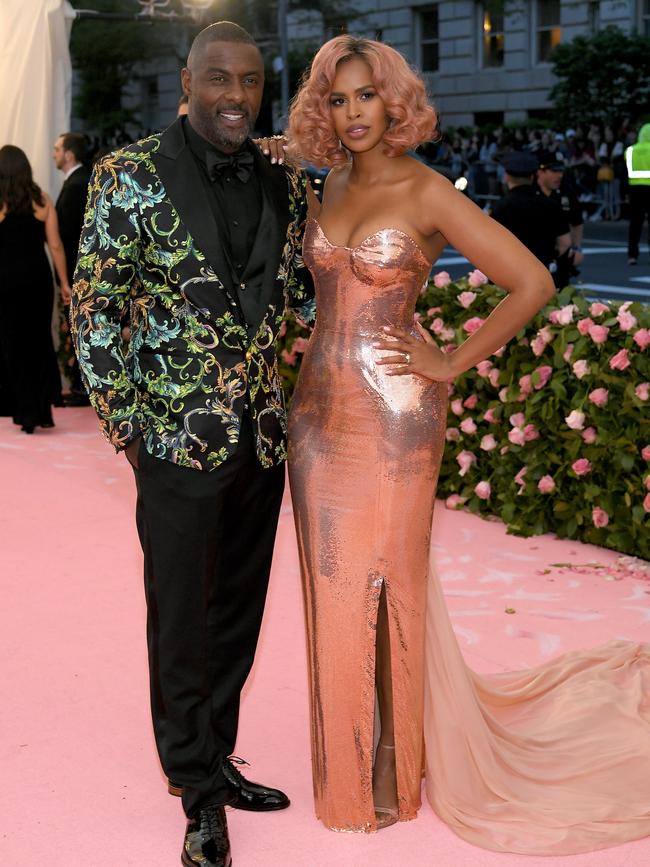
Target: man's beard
[221,136]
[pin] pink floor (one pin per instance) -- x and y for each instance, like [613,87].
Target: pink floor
[80,780]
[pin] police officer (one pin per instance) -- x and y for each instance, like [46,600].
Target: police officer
[538,223]
[554,183]
[637,161]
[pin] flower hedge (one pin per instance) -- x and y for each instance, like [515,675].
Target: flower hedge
[552,432]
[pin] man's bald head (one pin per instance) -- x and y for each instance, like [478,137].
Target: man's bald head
[221,31]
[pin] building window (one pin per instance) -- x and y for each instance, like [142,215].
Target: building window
[427,38]
[645,18]
[336,27]
[492,33]
[548,31]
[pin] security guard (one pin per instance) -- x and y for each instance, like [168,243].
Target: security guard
[553,182]
[637,160]
[538,223]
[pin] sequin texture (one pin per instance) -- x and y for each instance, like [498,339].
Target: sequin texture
[364,456]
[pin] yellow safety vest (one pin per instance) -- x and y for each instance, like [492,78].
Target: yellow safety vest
[637,160]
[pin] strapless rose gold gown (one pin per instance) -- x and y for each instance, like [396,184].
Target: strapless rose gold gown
[554,760]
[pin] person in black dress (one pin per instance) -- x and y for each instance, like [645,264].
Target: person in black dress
[27,223]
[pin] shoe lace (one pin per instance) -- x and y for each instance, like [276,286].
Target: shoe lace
[212,824]
[233,762]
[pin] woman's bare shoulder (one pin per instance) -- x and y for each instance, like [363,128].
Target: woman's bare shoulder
[41,211]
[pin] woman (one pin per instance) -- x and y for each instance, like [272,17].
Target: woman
[28,222]
[507,765]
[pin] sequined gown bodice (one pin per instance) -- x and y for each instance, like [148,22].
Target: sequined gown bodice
[554,760]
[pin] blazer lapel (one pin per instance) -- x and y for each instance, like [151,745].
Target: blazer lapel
[181,178]
[272,230]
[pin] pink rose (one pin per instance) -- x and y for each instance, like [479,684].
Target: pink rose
[299,344]
[620,361]
[589,435]
[642,338]
[568,352]
[544,373]
[493,377]
[626,320]
[465,460]
[531,433]
[449,348]
[516,436]
[597,308]
[599,517]
[646,503]
[417,316]
[537,345]
[599,396]
[488,443]
[598,333]
[546,334]
[565,314]
[289,357]
[447,334]
[503,395]
[581,467]
[647,482]
[554,317]
[499,352]
[283,329]
[519,478]
[450,389]
[490,416]
[470,402]
[575,420]
[645,453]
[546,485]
[466,298]
[454,501]
[476,278]
[468,426]
[642,391]
[457,406]
[483,489]
[437,325]
[483,368]
[452,434]
[584,325]
[581,368]
[518,419]
[472,324]
[441,280]
[526,384]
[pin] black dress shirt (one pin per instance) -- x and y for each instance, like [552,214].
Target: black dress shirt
[236,204]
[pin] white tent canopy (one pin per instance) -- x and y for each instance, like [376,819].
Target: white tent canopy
[35,80]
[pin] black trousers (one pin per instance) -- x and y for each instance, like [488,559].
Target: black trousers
[639,213]
[208,543]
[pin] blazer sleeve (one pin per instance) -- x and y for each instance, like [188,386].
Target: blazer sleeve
[300,293]
[107,273]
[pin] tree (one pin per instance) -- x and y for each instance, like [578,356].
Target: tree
[601,78]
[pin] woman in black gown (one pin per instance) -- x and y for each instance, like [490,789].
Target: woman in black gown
[28,222]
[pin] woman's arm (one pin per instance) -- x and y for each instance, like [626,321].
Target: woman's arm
[55,245]
[493,250]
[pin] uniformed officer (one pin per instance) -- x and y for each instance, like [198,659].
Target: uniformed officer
[554,183]
[538,223]
[637,160]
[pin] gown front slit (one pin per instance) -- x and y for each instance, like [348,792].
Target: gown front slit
[554,760]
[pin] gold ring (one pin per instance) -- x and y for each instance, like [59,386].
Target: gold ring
[407,358]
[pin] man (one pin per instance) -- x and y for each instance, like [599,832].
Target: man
[533,219]
[202,236]
[553,183]
[637,160]
[69,153]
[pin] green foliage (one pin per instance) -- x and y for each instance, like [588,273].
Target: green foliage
[104,52]
[534,376]
[604,77]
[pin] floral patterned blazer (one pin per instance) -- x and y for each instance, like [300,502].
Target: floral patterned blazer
[150,252]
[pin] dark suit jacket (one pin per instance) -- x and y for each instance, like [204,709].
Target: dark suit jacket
[70,207]
[196,357]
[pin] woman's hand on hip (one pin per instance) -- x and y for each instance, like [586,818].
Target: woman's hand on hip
[414,356]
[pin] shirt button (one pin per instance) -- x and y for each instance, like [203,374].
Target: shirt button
[235,222]
[227,180]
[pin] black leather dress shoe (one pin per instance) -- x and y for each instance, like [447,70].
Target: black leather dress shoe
[206,839]
[245,794]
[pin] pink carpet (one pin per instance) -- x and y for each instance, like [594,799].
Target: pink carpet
[80,781]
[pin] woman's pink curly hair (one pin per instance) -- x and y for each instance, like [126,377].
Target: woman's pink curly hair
[311,131]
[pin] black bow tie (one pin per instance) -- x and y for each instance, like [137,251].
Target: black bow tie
[241,164]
